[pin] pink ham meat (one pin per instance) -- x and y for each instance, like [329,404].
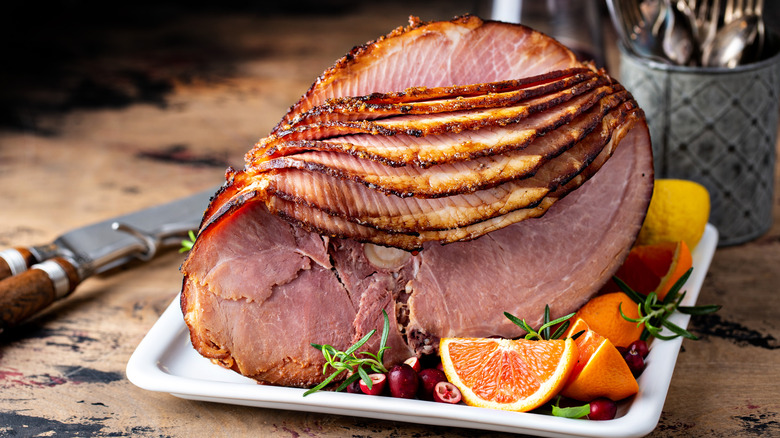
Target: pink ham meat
[260,284]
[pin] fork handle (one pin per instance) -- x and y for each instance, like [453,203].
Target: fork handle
[26,294]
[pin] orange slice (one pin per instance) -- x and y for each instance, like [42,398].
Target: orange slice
[602,316]
[513,375]
[601,370]
[655,268]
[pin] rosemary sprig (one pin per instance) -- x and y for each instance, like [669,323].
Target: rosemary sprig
[543,333]
[353,362]
[186,245]
[654,313]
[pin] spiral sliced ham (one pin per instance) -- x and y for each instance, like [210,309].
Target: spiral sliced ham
[456,176]
[445,173]
[458,98]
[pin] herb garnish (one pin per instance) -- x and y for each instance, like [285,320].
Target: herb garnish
[654,313]
[543,333]
[570,412]
[349,361]
[186,245]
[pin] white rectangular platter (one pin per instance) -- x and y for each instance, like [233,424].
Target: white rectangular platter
[165,361]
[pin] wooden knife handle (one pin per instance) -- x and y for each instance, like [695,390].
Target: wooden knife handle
[26,294]
[15,261]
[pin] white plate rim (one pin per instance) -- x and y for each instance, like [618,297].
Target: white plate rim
[157,363]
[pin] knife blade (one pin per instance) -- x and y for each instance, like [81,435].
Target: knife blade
[37,276]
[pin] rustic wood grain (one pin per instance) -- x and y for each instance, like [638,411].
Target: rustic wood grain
[213,83]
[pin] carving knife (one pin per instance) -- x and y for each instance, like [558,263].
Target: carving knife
[34,277]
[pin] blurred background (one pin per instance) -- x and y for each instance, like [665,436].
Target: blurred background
[92,54]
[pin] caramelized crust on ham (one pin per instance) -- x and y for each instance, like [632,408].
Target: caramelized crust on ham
[419,125]
[456,176]
[414,200]
[402,149]
[495,171]
[362,107]
[422,54]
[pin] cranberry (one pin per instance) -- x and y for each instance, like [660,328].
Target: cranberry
[378,381]
[429,377]
[354,387]
[635,362]
[640,347]
[414,362]
[446,392]
[402,381]
[602,409]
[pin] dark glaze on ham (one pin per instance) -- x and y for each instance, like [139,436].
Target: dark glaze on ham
[521,175]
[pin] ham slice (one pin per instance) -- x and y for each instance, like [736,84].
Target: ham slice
[422,54]
[435,123]
[518,176]
[401,149]
[357,203]
[459,98]
[459,176]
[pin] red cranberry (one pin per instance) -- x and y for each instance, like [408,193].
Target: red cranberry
[446,392]
[378,381]
[429,377]
[602,409]
[414,362]
[635,362]
[640,347]
[402,381]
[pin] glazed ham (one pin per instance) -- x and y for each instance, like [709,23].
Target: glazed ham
[445,173]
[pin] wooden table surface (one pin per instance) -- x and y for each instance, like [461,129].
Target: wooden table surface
[137,107]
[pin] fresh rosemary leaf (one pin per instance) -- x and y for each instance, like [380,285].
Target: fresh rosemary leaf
[677,286]
[549,324]
[515,319]
[364,377]
[347,382]
[353,362]
[187,245]
[674,328]
[359,343]
[323,384]
[654,313]
[561,330]
[543,332]
[699,310]
[577,335]
[545,329]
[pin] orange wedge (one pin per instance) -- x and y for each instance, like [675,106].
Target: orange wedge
[601,370]
[655,268]
[513,375]
[602,316]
